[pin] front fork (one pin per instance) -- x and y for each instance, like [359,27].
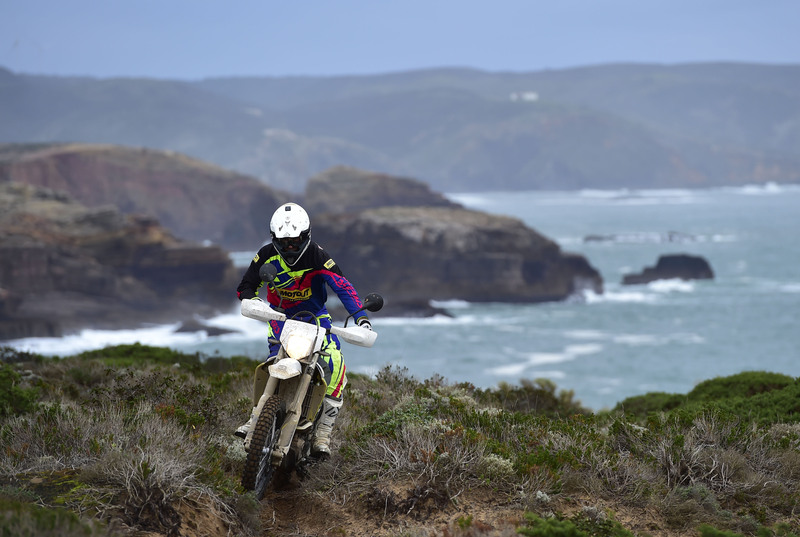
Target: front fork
[293,410]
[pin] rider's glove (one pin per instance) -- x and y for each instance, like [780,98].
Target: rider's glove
[363,322]
[257,299]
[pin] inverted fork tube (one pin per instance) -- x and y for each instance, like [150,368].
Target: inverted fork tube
[293,412]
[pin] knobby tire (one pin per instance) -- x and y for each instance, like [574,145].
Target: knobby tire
[258,467]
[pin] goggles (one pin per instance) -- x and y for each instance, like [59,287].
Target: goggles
[290,243]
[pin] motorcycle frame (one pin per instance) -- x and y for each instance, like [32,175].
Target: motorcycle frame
[298,387]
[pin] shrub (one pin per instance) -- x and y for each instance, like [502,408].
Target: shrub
[642,405]
[14,400]
[538,397]
[29,520]
[760,396]
[741,385]
[143,437]
[585,524]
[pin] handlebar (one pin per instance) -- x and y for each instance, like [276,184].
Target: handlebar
[355,335]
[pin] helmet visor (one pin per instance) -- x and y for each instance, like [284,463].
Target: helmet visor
[290,244]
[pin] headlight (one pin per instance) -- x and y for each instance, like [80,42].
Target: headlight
[298,346]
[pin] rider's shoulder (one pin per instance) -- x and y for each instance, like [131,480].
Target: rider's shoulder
[265,252]
[321,258]
[318,253]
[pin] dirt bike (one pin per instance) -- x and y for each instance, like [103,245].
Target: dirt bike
[289,389]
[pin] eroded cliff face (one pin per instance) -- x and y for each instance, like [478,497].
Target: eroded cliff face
[397,237]
[64,266]
[344,189]
[415,254]
[102,244]
[193,199]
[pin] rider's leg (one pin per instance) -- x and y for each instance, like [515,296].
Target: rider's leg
[320,444]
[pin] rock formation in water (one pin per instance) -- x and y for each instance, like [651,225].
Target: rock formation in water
[414,245]
[670,267]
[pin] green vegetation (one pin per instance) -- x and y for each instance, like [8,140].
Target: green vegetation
[13,399]
[759,396]
[579,526]
[128,438]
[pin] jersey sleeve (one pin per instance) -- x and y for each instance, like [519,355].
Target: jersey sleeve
[342,287]
[251,281]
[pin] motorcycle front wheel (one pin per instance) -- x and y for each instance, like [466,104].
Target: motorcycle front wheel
[258,467]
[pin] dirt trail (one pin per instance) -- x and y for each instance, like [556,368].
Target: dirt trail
[299,513]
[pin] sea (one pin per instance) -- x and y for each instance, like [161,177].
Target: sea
[666,336]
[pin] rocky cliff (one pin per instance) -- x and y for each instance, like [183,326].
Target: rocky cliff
[416,254]
[193,199]
[344,189]
[79,253]
[64,266]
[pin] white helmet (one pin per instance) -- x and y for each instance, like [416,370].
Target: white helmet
[290,228]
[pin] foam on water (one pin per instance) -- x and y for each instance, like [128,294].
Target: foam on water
[450,304]
[790,288]
[768,189]
[585,334]
[534,359]
[86,340]
[669,286]
[619,296]
[636,340]
[437,319]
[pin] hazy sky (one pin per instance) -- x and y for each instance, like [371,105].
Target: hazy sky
[193,39]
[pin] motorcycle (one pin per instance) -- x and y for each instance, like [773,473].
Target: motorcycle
[289,389]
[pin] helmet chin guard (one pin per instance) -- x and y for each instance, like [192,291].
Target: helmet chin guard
[290,228]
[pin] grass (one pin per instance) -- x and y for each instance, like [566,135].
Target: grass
[125,438]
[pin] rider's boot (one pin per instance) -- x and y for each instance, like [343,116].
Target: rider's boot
[242,431]
[320,443]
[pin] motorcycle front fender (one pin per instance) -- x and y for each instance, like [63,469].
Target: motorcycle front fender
[285,369]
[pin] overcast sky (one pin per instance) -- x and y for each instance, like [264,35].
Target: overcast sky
[194,39]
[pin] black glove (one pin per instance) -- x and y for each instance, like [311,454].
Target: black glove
[363,322]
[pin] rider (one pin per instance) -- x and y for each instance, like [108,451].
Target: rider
[303,270]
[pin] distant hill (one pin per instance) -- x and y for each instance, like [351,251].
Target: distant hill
[610,126]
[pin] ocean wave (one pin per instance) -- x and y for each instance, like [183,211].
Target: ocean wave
[469,199]
[540,358]
[534,359]
[582,350]
[450,304]
[437,319]
[790,288]
[89,339]
[622,196]
[649,237]
[585,334]
[520,370]
[637,340]
[636,192]
[769,188]
[619,296]
[672,285]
